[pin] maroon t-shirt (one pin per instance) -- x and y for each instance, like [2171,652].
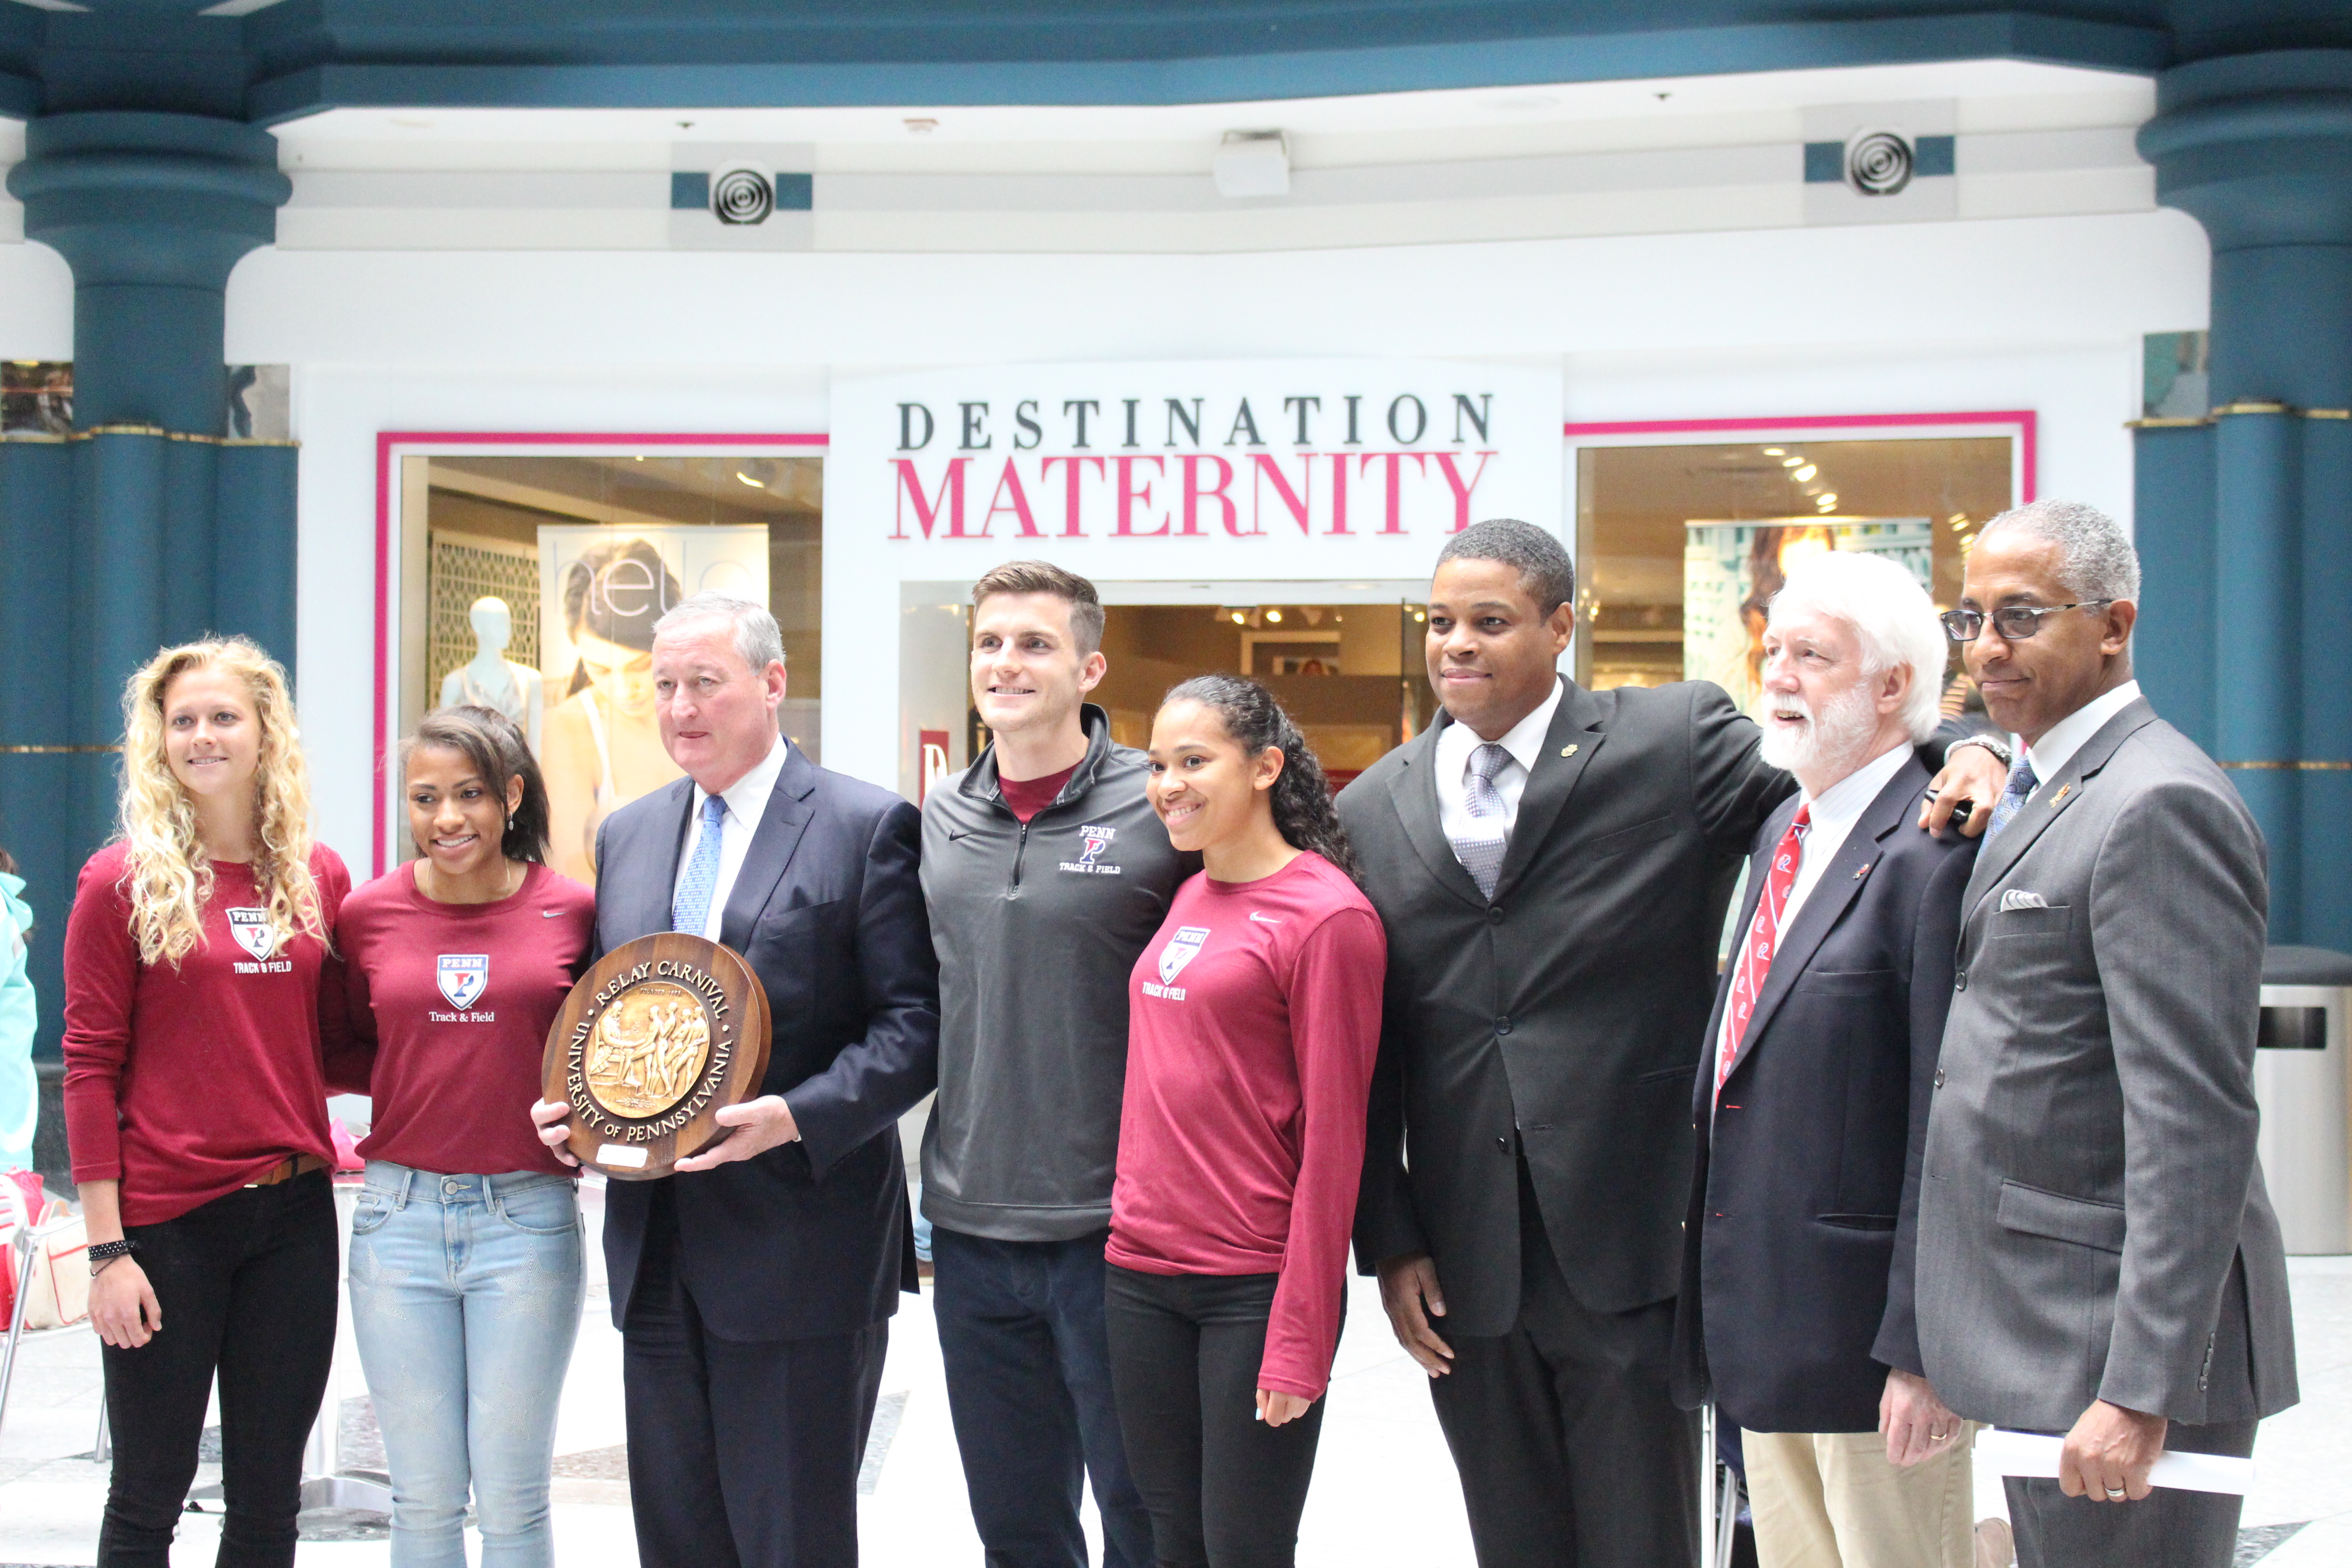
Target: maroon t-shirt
[184,1082]
[1254,1017]
[457,1000]
[1026,797]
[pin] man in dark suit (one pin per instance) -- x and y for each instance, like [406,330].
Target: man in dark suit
[753,1290]
[1812,1096]
[1552,864]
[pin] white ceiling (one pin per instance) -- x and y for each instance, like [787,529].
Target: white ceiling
[1384,128]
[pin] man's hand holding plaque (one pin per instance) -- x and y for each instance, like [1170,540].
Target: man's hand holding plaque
[652,1063]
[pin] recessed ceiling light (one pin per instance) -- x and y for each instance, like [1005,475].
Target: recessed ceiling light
[1274,615]
[1807,472]
[1791,462]
[1776,451]
[755,484]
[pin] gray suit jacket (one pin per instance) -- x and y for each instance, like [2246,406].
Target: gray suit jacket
[2093,1224]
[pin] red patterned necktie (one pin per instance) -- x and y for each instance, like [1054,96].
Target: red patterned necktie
[1763,937]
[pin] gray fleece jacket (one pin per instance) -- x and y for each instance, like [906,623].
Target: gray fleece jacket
[1037,927]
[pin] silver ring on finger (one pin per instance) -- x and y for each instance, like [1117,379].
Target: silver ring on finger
[2115,1494]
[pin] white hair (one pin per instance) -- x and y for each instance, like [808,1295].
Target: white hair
[1892,617]
[757,637]
[2095,557]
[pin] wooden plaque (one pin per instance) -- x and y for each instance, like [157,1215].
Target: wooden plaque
[654,1038]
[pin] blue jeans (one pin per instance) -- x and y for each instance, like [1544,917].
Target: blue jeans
[466,1295]
[1029,1388]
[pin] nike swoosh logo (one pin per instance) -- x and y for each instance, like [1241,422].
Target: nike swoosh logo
[551,914]
[1262,920]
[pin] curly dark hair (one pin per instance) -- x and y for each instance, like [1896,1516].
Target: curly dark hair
[1303,813]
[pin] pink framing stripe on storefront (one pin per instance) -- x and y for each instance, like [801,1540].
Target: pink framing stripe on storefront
[389,445]
[2022,420]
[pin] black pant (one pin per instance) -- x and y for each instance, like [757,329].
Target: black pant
[742,1455]
[2166,1529]
[1224,1489]
[1571,1452]
[1022,1335]
[246,1285]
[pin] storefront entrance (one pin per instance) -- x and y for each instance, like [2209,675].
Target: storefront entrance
[1350,674]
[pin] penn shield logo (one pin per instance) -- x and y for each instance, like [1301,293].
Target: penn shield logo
[1092,840]
[1182,948]
[462,976]
[251,929]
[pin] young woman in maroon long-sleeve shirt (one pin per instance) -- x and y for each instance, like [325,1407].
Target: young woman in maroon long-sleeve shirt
[195,1094]
[1255,1018]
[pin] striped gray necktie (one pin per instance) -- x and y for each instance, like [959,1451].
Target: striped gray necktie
[1480,850]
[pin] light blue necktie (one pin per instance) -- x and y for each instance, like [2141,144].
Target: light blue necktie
[691,907]
[2022,783]
[1482,854]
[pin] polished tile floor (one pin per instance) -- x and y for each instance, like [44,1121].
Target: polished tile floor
[1384,1489]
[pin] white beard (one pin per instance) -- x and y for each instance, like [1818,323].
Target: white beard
[1831,740]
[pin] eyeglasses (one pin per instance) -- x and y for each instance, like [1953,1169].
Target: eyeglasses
[2015,623]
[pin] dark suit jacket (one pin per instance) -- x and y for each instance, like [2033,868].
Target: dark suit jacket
[1795,1301]
[811,1237]
[1565,1013]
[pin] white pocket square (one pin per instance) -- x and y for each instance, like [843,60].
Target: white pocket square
[2019,898]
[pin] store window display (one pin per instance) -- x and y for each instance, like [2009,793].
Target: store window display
[532,582]
[1682,546]
[489,679]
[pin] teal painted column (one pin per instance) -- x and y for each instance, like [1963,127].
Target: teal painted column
[2258,148]
[148,528]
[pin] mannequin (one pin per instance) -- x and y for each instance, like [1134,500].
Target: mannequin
[489,679]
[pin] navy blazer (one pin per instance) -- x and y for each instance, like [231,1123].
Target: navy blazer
[1796,1292]
[811,1238]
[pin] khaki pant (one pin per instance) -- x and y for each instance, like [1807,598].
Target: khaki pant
[1831,1500]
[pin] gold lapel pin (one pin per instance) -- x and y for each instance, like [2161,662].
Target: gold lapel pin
[2064,791]
[1568,750]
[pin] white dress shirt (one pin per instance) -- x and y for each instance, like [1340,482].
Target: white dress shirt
[2056,748]
[747,802]
[1523,741]
[1834,812]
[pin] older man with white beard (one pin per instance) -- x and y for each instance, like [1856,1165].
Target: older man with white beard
[1796,1308]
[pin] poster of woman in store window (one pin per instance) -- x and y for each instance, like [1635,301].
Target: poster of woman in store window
[1731,570]
[601,590]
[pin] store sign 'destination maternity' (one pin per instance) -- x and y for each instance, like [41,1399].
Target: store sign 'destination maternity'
[1252,468]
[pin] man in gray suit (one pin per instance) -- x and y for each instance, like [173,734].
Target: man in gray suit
[2096,1253]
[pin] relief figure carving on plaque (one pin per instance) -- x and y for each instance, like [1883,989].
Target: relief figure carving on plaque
[648,1049]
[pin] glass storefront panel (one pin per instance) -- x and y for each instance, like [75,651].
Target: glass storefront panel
[531,584]
[1681,547]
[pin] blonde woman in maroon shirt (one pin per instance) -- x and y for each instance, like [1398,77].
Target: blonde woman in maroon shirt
[467,1268]
[1253,1023]
[195,1102]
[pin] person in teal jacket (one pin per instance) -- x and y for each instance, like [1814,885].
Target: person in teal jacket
[20,1092]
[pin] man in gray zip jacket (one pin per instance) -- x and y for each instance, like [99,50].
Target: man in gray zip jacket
[1046,873]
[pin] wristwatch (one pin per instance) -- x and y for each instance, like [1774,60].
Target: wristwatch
[1990,742]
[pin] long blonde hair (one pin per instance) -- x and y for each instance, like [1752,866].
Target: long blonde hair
[168,876]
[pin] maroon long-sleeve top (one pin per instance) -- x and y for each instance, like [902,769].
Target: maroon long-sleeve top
[1255,1020]
[184,1082]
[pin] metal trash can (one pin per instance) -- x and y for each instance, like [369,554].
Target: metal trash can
[2306,1094]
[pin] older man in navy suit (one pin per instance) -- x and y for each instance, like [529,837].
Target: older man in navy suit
[1811,1099]
[753,1288]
